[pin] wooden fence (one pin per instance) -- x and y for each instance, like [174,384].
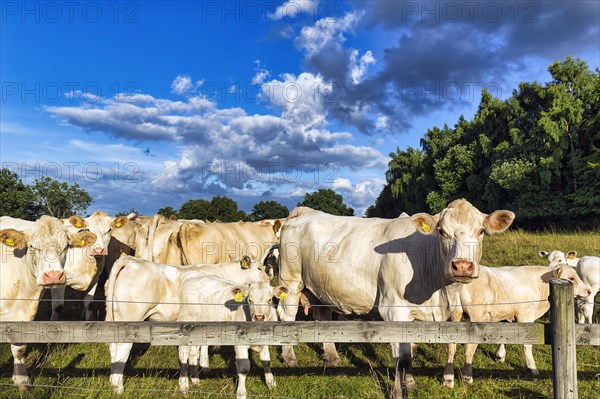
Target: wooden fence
[562,333]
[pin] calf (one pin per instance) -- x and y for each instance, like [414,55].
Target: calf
[31,260]
[210,298]
[142,290]
[507,293]
[588,268]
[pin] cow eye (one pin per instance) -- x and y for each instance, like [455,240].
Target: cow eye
[480,232]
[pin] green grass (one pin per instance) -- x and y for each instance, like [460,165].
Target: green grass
[366,370]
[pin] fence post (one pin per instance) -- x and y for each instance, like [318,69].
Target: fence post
[564,355]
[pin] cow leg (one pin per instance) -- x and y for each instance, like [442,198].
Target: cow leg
[119,353]
[467,370]
[529,360]
[193,365]
[265,358]
[286,310]
[242,365]
[19,377]
[184,383]
[588,308]
[58,302]
[88,303]
[330,354]
[448,379]
[204,358]
[501,354]
[401,353]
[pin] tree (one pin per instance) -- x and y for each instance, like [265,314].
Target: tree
[328,201]
[126,213]
[195,209]
[16,198]
[59,199]
[269,210]
[167,211]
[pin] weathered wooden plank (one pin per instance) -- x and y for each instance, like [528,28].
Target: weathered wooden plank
[587,334]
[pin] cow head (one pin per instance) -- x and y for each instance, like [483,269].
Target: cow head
[100,224]
[252,271]
[460,229]
[260,301]
[556,258]
[45,244]
[567,272]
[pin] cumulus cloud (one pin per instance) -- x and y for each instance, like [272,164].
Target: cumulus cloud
[181,84]
[359,195]
[358,69]
[291,8]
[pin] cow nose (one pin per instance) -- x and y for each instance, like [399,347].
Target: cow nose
[462,268]
[54,277]
[259,317]
[98,251]
[588,292]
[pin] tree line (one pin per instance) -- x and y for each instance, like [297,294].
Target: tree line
[536,153]
[47,196]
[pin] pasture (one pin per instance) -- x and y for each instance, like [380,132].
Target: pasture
[82,370]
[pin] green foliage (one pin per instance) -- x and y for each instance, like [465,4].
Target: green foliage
[126,213]
[328,201]
[536,153]
[167,211]
[16,198]
[268,210]
[222,208]
[60,199]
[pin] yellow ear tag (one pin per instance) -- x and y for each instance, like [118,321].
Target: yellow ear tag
[425,227]
[282,296]
[245,264]
[9,242]
[82,242]
[571,256]
[239,297]
[118,224]
[78,225]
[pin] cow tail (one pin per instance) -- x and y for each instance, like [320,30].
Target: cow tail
[112,280]
[186,255]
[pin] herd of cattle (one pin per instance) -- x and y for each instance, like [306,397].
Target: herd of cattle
[419,267]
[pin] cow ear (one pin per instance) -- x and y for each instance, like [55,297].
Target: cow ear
[78,222]
[239,294]
[13,238]
[82,240]
[276,226]
[424,223]
[120,222]
[498,221]
[173,218]
[571,254]
[280,292]
[543,254]
[245,262]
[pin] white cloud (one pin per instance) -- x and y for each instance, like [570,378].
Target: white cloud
[260,77]
[359,195]
[291,8]
[357,70]
[181,84]
[313,39]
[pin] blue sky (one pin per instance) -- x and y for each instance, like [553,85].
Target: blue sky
[150,104]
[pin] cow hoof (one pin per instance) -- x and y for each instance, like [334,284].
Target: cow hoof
[195,381]
[410,384]
[468,380]
[291,362]
[184,386]
[448,383]
[332,362]
[21,382]
[534,371]
[500,359]
[270,381]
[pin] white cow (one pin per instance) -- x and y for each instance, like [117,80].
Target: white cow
[210,298]
[31,260]
[588,269]
[142,290]
[84,265]
[510,293]
[557,257]
[408,268]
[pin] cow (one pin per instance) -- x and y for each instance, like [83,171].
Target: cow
[588,268]
[218,242]
[85,265]
[557,257]
[509,293]
[32,260]
[410,268]
[139,290]
[198,290]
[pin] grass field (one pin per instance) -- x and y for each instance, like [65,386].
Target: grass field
[82,370]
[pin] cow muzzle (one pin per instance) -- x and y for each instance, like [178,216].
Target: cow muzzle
[462,269]
[54,278]
[259,317]
[98,251]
